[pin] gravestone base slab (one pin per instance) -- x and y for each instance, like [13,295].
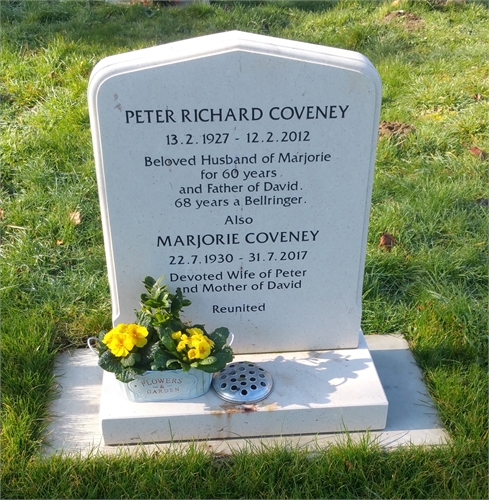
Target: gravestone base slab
[74,423]
[314,392]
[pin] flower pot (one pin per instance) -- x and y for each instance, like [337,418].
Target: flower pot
[169,385]
[160,386]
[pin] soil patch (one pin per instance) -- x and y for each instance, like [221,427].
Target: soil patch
[408,19]
[386,129]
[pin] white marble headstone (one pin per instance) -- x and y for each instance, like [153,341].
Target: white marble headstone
[240,166]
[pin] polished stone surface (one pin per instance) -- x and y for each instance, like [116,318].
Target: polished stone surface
[411,418]
[243,172]
[321,391]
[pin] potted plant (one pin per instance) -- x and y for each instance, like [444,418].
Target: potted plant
[159,357]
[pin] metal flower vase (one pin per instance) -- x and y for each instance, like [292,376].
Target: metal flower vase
[161,386]
[168,385]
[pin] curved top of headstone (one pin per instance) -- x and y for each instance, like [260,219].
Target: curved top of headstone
[229,41]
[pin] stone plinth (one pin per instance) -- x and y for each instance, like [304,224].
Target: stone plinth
[314,392]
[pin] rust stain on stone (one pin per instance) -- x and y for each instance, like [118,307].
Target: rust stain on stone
[232,408]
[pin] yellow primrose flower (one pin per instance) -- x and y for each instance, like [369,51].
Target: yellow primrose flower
[199,339]
[137,334]
[195,331]
[203,350]
[115,331]
[209,341]
[194,341]
[181,345]
[192,354]
[176,335]
[120,345]
[108,337]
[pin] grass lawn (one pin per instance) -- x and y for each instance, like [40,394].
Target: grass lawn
[430,193]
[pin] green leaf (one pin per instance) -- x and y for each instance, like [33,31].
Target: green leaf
[161,360]
[208,361]
[153,349]
[177,302]
[150,302]
[127,375]
[160,318]
[147,352]
[149,282]
[219,336]
[175,364]
[109,362]
[162,296]
[221,359]
[101,347]
[131,359]
[166,338]
[144,318]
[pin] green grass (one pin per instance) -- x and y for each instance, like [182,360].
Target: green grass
[348,471]
[432,286]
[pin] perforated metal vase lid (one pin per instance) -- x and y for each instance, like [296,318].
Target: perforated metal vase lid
[242,382]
